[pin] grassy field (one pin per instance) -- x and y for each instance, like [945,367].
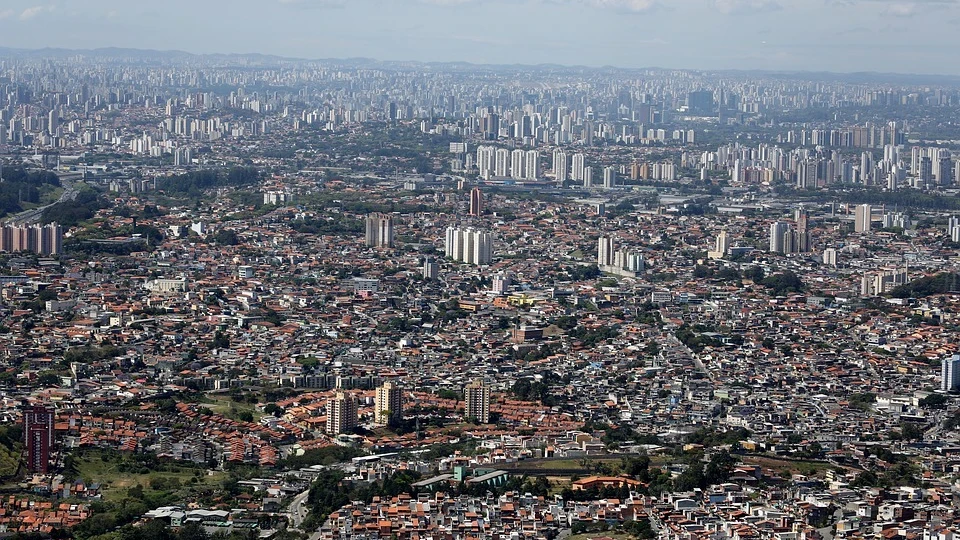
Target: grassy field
[610,534]
[809,468]
[222,404]
[115,483]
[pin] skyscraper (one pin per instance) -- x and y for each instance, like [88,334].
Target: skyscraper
[777,230]
[576,167]
[700,102]
[861,223]
[38,437]
[476,399]
[469,245]
[531,164]
[341,413]
[830,257]
[609,177]
[476,202]
[803,232]
[723,243]
[925,176]
[430,268]
[389,403]
[379,230]
[517,164]
[485,159]
[501,163]
[560,166]
[53,122]
[39,239]
[950,374]
[605,251]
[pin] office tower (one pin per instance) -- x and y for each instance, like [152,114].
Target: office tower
[803,234]
[516,164]
[379,230]
[700,102]
[501,163]
[605,251]
[944,170]
[469,245]
[430,269]
[560,170]
[950,374]
[388,403]
[777,231]
[38,437]
[609,177]
[866,168]
[476,202]
[53,122]
[577,167]
[925,176]
[476,399]
[531,165]
[722,246]
[341,413]
[861,223]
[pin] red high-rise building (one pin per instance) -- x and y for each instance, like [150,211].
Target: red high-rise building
[476,202]
[38,437]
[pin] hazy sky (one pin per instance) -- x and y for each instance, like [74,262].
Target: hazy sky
[918,36]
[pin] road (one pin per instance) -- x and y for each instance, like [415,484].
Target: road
[298,509]
[33,215]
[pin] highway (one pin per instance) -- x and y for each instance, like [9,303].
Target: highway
[33,215]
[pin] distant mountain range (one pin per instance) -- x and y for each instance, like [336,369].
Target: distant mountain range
[150,55]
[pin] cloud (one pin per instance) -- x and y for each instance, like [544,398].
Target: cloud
[35,11]
[6,14]
[628,6]
[736,7]
[314,3]
[901,9]
[633,6]
[623,6]
[896,6]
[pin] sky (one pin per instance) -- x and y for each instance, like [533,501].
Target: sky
[901,36]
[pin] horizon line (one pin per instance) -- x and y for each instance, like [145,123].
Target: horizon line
[130,50]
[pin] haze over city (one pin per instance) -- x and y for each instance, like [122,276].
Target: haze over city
[434,270]
[918,36]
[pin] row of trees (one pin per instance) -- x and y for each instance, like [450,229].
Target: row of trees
[194,183]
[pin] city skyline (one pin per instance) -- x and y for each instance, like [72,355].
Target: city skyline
[691,34]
